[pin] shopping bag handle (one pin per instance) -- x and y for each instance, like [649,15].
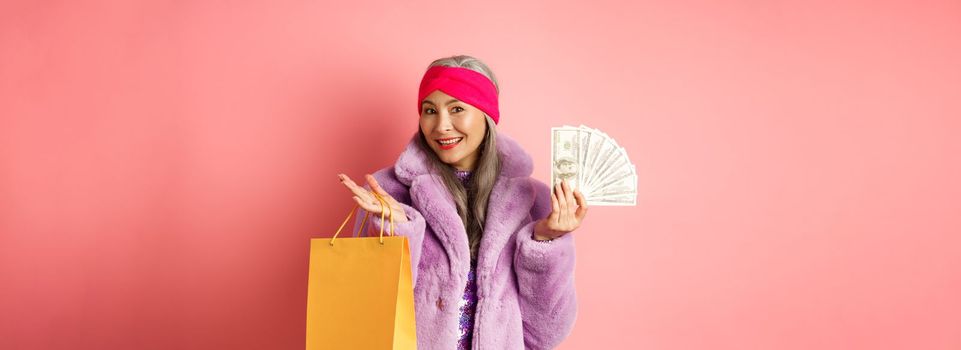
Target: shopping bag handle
[367,213]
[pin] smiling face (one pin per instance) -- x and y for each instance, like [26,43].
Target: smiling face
[443,118]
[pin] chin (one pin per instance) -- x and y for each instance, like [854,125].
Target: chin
[449,161]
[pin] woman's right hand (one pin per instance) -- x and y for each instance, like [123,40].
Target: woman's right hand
[368,199]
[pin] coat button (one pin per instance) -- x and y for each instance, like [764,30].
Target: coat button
[440,304]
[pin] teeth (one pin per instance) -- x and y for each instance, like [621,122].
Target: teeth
[450,142]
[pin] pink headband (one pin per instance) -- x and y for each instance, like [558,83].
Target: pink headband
[462,83]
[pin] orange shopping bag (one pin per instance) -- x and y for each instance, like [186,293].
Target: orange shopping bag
[359,291]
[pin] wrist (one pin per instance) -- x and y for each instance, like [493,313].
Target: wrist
[539,232]
[400,215]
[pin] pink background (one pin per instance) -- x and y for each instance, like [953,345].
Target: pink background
[164,163]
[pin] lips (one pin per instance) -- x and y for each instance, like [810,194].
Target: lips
[450,142]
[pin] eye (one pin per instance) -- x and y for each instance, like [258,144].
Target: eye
[457,109]
[428,110]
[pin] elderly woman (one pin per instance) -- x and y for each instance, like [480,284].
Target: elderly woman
[492,252]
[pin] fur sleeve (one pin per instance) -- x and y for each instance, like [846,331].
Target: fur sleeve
[545,279]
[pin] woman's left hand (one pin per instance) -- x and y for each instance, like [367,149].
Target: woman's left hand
[568,208]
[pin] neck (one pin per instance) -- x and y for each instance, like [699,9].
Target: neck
[467,163]
[462,168]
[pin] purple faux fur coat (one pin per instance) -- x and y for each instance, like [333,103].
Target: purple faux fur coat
[525,288]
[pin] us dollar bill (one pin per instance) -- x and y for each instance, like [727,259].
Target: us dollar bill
[565,156]
[592,162]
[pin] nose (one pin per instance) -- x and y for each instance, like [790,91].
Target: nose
[444,122]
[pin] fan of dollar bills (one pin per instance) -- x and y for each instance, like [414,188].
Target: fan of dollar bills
[592,162]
